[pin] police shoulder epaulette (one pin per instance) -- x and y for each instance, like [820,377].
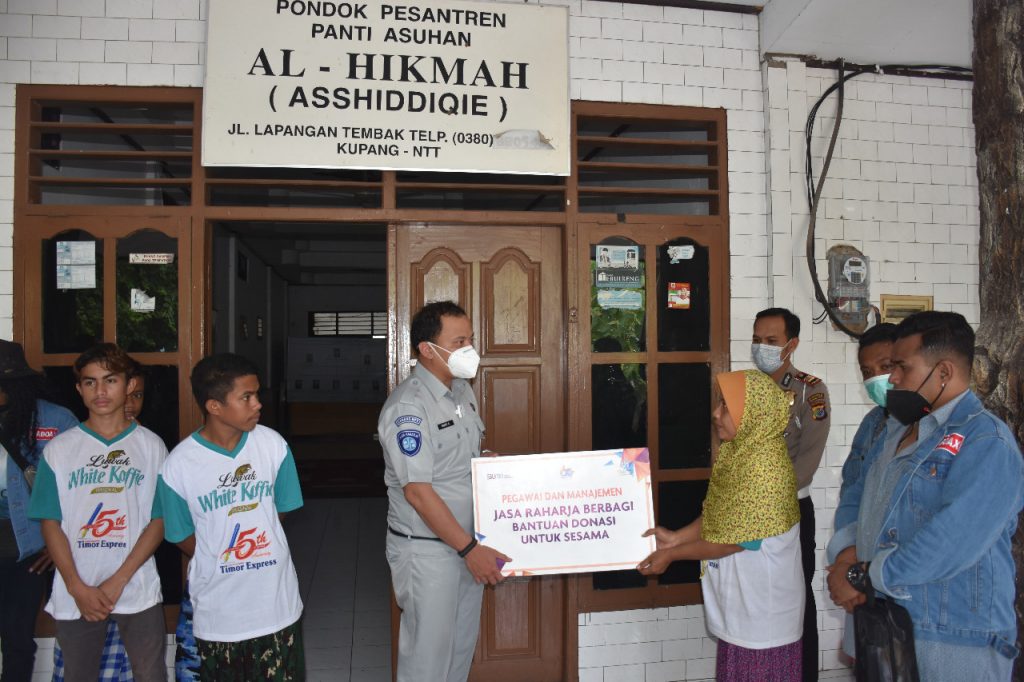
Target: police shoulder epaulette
[808,379]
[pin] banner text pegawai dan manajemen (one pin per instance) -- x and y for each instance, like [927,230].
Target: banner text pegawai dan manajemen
[437,86]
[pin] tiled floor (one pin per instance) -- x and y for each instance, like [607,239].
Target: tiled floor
[338,548]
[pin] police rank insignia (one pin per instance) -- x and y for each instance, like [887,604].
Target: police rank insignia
[409,442]
[808,379]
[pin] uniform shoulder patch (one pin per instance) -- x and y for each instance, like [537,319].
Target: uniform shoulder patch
[808,379]
[409,442]
[816,401]
[408,419]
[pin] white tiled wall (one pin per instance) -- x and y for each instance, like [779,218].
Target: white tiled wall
[902,188]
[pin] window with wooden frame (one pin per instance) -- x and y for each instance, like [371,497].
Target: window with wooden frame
[651,255]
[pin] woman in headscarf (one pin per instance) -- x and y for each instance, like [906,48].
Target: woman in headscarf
[747,538]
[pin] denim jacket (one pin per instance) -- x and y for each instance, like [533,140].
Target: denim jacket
[943,551]
[871,428]
[50,420]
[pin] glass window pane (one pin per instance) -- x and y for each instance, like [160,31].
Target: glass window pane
[684,415]
[159,412]
[72,287]
[619,406]
[147,292]
[60,388]
[684,299]
[617,296]
[618,580]
[679,503]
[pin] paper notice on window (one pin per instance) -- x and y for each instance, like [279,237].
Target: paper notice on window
[151,258]
[76,276]
[678,253]
[142,302]
[622,299]
[679,295]
[76,253]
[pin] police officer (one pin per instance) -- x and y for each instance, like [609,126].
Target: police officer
[430,429]
[776,336]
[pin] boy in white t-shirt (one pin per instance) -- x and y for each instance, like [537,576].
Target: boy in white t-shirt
[95,494]
[223,490]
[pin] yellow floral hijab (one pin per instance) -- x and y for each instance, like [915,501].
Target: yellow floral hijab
[752,493]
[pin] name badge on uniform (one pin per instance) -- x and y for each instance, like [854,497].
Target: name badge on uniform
[445,425]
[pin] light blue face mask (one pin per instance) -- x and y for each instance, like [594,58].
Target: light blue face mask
[877,387]
[767,358]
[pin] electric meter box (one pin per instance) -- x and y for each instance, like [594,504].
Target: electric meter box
[849,278]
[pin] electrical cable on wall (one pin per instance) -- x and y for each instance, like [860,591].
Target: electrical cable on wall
[814,192]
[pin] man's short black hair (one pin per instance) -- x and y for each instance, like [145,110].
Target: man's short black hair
[883,332]
[426,324]
[791,320]
[214,376]
[942,334]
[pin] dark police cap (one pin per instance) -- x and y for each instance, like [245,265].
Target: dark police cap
[12,362]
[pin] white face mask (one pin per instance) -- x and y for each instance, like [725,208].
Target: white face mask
[462,363]
[767,358]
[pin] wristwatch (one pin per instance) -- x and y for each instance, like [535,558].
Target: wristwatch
[857,575]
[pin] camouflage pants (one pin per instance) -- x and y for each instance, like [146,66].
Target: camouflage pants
[277,657]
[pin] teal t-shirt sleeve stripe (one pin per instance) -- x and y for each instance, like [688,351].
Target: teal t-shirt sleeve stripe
[177,518]
[287,493]
[45,502]
[752,545]
[158,508]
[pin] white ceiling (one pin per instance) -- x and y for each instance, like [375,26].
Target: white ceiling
[870,31]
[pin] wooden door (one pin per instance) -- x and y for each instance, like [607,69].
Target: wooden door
[509,280]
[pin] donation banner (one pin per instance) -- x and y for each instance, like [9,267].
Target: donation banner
[439,85]
[571,512]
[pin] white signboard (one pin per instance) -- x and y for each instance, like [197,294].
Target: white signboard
[436,85]
[574,512]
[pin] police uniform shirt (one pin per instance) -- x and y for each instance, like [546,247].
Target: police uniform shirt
[808,425]
[429,435]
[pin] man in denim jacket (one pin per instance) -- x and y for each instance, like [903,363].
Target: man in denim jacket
[27,423]
[937,509]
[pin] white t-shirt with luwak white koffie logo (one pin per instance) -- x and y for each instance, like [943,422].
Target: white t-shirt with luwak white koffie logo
[241,578]
[103,492]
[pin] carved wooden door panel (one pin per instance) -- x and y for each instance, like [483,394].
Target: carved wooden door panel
[509,280]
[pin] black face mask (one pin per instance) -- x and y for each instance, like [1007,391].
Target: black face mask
[910,407]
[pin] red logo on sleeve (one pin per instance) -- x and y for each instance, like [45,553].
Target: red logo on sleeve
[45,433]
[951,443]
